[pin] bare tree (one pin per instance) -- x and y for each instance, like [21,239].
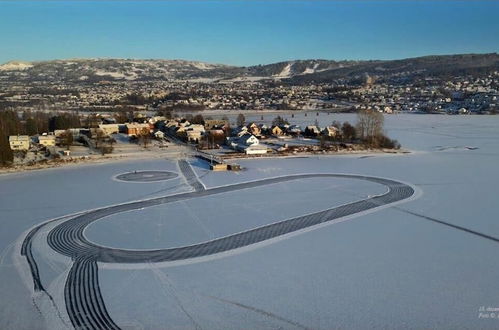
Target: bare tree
[322,142]
[370,126]
[67,139]
[92,121]
[121,116]
[99,138]
[101,143]
[336,124]
[197,119]
[348,132]
[145,137]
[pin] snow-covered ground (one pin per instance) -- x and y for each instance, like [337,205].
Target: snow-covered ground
[198,220]
[393,268]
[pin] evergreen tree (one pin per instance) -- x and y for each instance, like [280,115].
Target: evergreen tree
[31,127]
[9,125]
[279,121]
[241,120]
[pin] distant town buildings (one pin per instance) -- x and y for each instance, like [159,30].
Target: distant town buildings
[475,94]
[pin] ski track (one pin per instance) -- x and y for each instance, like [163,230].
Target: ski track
[83,299]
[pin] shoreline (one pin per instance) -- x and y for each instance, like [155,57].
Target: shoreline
[67,163]
[71,162]
[367,153]
[222,112]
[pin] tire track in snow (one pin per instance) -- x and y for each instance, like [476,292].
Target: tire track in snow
[190,176]
[83,298]
[448,224]
[165,281]
[259,311]
[68,238]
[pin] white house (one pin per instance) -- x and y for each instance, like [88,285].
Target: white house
[248,140]
[294,130]
[248,143]
[254,150]
[159,135]
[240,131]
[194,132]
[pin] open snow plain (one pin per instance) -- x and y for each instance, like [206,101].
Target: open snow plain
[426,259]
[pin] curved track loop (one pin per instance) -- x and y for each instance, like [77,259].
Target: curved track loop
[146,176]
[68,238]
[84,303]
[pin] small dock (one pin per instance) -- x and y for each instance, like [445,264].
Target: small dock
[217,163]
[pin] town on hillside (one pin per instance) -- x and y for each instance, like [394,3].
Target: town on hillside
[457,84]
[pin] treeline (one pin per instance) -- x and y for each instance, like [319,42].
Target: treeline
[9,125]
[30,123]
[64,121]
[369,131]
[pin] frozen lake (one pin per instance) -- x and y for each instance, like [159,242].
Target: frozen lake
[206,218]
[392,268]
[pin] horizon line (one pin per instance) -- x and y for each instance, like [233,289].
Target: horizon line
[233,65]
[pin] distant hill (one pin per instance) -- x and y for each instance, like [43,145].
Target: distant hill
[91,70]
[427,66]
[293,72]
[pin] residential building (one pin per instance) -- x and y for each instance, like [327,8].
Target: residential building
[254,150]
[276,130]
[19,142]
[135,129]
[109,129]
[254,129]
[312,130]
[210,124]
[47,140]
[194,132]
[330,131]
[248,143]
[159,135]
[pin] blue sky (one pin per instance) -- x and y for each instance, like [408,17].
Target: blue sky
[246,32]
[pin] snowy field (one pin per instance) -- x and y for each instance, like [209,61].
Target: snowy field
[394,267]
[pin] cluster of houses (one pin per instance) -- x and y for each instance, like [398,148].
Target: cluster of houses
[52,139]
[160,127]
[245,139]
[25,142]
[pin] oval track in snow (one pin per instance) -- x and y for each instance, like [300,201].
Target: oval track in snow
[68,238]
[84,302]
